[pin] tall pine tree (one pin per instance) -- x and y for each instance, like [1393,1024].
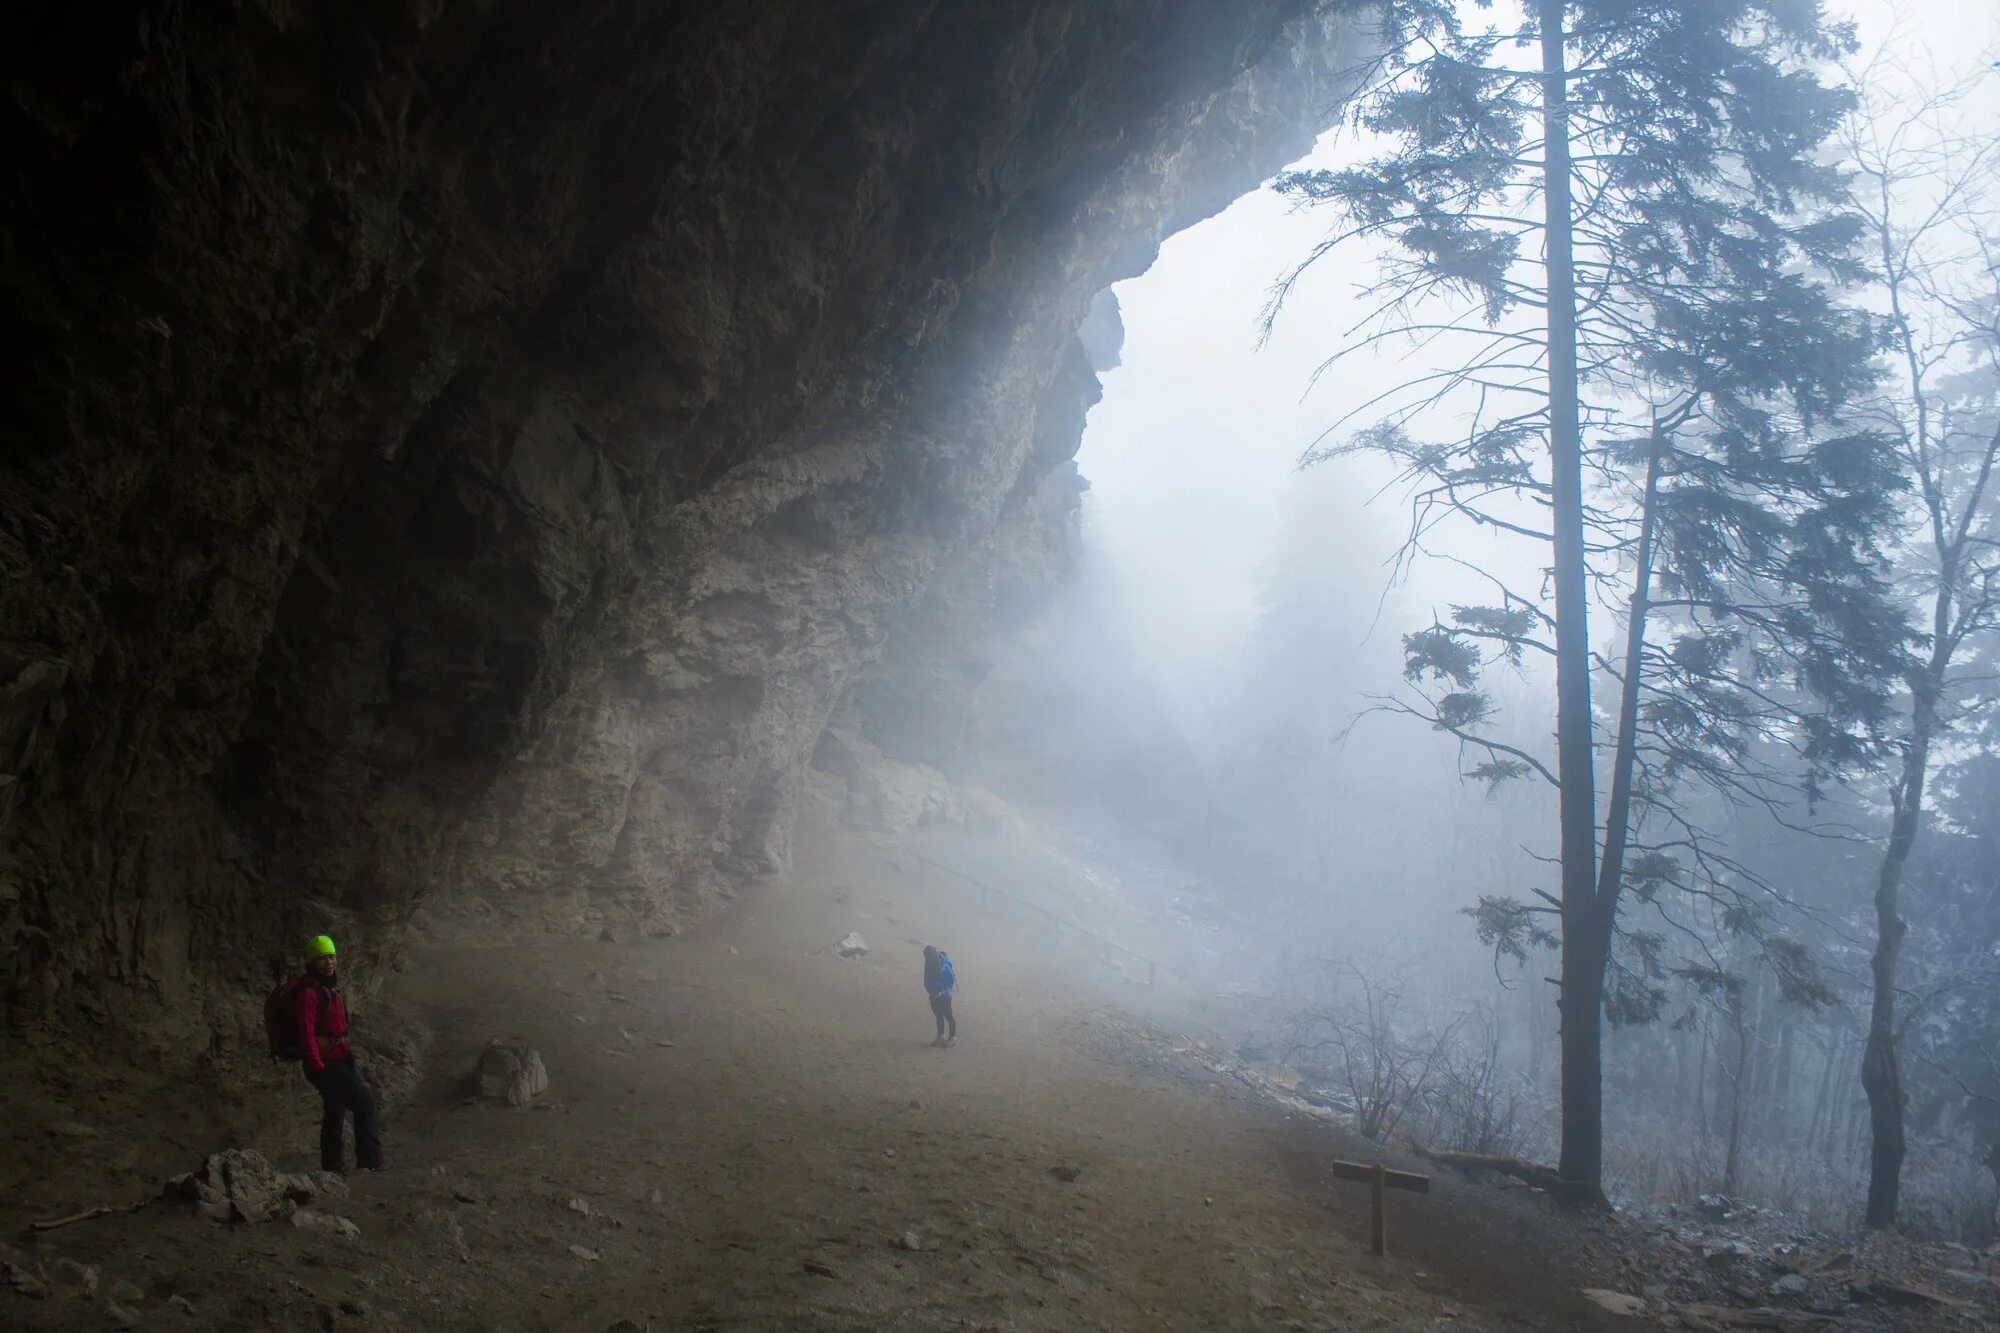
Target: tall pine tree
[1618,202]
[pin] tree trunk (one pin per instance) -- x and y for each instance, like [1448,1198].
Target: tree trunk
[1841,1142]
[1881,1071]
[1584,952]
[1701,1085]
[1763,1068]
[1537,1040]
[1733,1157]
[1618,810]
[1781,1083]
[1683,1080]
[1825,1092]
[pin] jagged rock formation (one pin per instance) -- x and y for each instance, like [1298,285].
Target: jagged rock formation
[466,450]
[1014,670]
[918,699]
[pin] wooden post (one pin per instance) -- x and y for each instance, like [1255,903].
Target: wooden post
[1380,1180]
[1378,1203]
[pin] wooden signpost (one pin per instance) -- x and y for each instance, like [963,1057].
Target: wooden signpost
[1380,1180]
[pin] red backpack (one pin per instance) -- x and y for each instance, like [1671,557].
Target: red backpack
[281,1018]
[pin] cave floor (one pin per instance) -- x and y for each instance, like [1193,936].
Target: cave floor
[745,1130]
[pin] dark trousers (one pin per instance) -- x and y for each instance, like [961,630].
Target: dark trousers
[340,1091]
[941,1010]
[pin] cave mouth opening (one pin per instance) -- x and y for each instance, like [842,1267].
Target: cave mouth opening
[445,500]
[1193,454]
[1251,605]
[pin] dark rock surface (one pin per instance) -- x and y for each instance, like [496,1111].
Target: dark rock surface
[459,454]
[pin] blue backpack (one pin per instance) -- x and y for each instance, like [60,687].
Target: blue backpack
[947,977]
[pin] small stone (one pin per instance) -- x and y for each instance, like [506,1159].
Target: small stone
[123,1291]
[22,1282]
[237,1185]
[852,945]
[307,1186]
[356,1308]
[1726,1253]
[512,1074]
[120,1316]
[469,1193]
[325,1223]
[73,1279]
[587,1255]
[445,1224]
[181,1303]
[656,1197]
[578,1205]
[914,1243]
[607,936]
[1791,1284]
[1065,1174]
[1617,1302]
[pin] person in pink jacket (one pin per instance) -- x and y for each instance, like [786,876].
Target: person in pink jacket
[329,1062]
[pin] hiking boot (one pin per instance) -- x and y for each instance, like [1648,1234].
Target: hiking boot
[949,1041]
[937,1041]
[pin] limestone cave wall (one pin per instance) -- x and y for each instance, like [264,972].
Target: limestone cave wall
[458,454]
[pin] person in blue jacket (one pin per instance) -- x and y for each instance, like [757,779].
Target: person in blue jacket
[939,982]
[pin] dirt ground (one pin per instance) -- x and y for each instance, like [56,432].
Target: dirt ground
[745,1130]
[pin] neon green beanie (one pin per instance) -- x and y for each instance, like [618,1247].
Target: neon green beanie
[322,946]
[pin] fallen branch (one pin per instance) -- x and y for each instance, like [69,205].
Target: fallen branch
[1819,1262]
[1541,1177]
[1904,1293]
[83,1216]
[99,1211]
[1728,1316]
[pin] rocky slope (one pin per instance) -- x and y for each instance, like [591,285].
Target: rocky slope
[460,454]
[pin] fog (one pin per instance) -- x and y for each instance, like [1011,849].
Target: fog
[1255,609]
[1193,455]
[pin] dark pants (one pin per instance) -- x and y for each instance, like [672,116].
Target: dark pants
[941,1010]
[340,1091]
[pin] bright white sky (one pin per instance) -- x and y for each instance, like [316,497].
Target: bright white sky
[1194,446]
